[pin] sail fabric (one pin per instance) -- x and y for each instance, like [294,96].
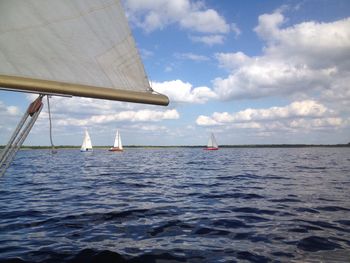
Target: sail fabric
[86,142]
[85,42]
[212,142]
[118,141]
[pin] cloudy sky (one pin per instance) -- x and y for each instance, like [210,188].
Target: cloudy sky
[252,72]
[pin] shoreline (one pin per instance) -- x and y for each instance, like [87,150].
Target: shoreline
[28,147]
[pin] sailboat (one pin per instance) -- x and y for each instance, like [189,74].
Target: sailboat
[118,146]
[212,144]
[68,48]
[87,145]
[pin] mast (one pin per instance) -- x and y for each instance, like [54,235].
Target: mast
[116,139]
[86,145]
[120,146]
[214,143]
[210,141]
[83,146]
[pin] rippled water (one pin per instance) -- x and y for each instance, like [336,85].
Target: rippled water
[178,205]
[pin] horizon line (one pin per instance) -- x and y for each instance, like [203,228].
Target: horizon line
[196,146]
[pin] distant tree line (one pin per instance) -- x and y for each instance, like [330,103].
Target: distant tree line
[194,146]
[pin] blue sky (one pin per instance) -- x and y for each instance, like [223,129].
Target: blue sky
[252,72]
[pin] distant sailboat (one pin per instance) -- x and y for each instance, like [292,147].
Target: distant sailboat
[118,146]
[212,144]
[87,145]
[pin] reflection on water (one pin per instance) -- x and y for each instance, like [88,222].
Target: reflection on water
[179,205]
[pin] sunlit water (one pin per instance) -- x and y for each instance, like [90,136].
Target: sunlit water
[177,204]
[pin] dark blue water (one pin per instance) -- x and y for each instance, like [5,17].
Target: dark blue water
[177,205]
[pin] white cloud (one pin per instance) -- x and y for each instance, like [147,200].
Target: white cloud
[8,110]
[84,106]
[235,29]
[301,115]
[310,58]
[168,69]
[317,123]
[207,21]
[123,116]
[145,54]
[149,128]
[265,76]
[312,42]
[152,15]
[339,92]
[209,40]
[231,61]
[268,27]
[206,121]
[179,91]
[307,108]
[71,115]
[192,56]
[9,115]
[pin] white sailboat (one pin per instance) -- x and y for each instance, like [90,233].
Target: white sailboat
[70,48]
[212,144]
[87,145]
[118,146]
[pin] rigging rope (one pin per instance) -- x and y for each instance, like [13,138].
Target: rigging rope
[53,150]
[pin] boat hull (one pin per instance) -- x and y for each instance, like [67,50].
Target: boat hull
[114,149]
[211,149]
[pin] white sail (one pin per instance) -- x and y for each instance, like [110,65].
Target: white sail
[212,142]
[118,141]
[75,47]
[87,145]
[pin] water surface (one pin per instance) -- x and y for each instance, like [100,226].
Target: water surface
[178,205]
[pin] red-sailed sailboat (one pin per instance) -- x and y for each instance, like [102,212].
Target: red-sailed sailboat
[212,144]
[117,147]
